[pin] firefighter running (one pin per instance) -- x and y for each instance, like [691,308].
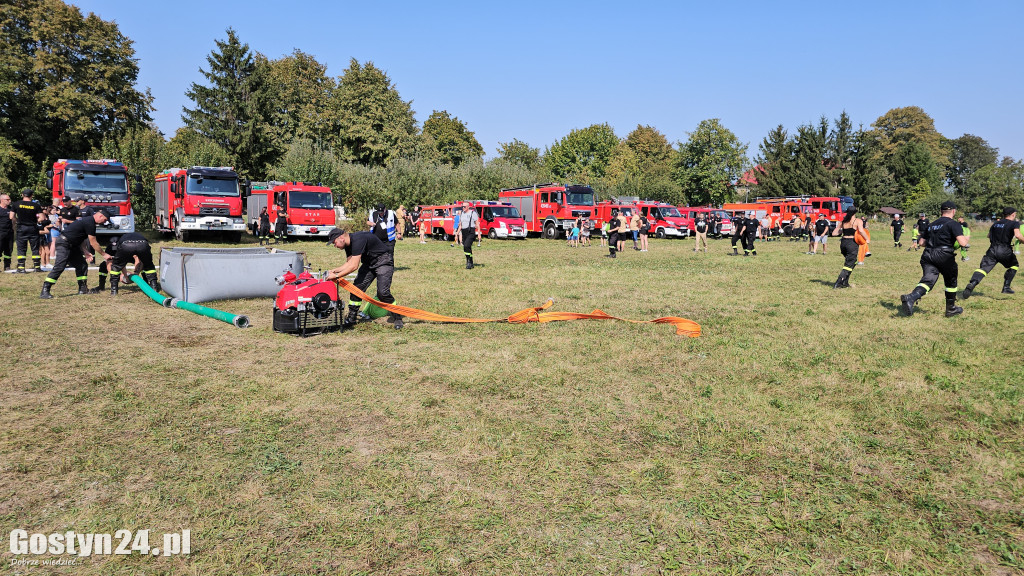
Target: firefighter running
[737,229]
[372,257]
[469,224]
[1002,234]
[28,211]
[6,230]
[848,245]
[939,258]
[71,250]
[132,247]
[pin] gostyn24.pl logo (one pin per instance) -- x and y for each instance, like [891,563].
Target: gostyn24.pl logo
[123,542]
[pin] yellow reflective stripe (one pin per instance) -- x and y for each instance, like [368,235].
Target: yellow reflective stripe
[81,278]
[1014,267]
[847,269]
[51,280]
[983,273]
[926,287]
[149,271]
[953,289]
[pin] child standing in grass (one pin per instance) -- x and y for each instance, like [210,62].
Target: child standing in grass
[574,235]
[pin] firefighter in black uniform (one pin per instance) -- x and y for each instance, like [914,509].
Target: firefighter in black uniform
[715,230]
[750,225]
[848,245]
[27,212]
[71,250]
[897,230]
[6,229]
[282,223]
[263,229]
[939,240]
[1001,234]
[738,222]
[131,247]
[363,250]
[919,228]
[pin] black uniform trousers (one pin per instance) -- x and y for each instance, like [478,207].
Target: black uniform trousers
[68,255]
[736,237]
[28,238]
[934,263]
[996,254]
[468,237]
[381,269]
[748,241]
[896,233]
[126,254]
[6,245]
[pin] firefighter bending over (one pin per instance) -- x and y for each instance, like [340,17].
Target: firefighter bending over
[132,247]
[363,250]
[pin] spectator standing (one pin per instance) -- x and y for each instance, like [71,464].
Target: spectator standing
[634,227]
[645,231]
[700,232]
[820,234]
[6,230]
[400,221]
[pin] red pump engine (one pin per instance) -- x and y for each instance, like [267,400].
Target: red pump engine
[306,305]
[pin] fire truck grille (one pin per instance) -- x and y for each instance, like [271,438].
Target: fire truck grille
[213,211]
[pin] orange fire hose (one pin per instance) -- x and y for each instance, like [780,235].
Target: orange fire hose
[683,326]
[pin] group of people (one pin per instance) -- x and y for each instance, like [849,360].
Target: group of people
[622,227]
[68,237]
[279,232]
[941,240]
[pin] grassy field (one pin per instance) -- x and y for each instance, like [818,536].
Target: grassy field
[808,431]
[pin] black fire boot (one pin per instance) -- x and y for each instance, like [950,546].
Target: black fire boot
[843,280]
[83,286]
[45,294]
[468,265]
[611,252]
[353,316]
[114,281]
[102,285]
[396,319]
[1007,279]
[735,252]
[908,300]
[976,279]
[951,308]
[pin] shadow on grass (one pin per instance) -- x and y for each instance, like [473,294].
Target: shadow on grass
[829,283]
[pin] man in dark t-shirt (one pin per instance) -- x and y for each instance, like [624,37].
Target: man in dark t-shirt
[27,212]
[365,252]
[897,230]
[1001,235]
[71,251]
[6,229]
[939,258]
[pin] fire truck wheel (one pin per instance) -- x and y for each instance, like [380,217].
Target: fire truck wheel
[179,234]
[660,233]
[492,234]
[550,232]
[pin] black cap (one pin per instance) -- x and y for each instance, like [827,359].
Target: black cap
[333,235]
[1008,210]
[27,192]
[105,212]
[948,205]
[380,207]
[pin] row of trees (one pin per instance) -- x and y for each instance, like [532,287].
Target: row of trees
[67,89]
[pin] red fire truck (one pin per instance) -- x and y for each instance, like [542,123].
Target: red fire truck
[690,212]
[498,219]
[200,199]
[438,220]
[551,209]
[603,211]
[831,206]
[309,207]
[100,184]
[666,220]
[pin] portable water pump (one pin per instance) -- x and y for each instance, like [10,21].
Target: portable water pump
[306,305]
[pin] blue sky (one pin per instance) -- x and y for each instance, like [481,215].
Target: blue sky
[535,70]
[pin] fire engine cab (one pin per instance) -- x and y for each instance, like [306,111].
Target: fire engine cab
[551,209]
[665,219]
[200,199]
[498,219]
[98,183]
[309,208]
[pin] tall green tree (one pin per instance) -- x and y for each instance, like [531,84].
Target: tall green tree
[997,185]
[909,124]
[302,98]
[519,152]
[911,164]
[839,155]
[142,151]
[236,109]
[641,165]
[775,159]
[873,184]
[968,154]
[307,161]
[810,176]
[190,148]
[450,138]
[375,124]
[66,82]
[709,163]
[582,156]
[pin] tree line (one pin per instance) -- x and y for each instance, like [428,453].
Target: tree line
[68,90]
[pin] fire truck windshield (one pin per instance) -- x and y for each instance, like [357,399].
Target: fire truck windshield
[207,186]
[85,182]
[310,200]
[579,198]
[505,212]
[669,212]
